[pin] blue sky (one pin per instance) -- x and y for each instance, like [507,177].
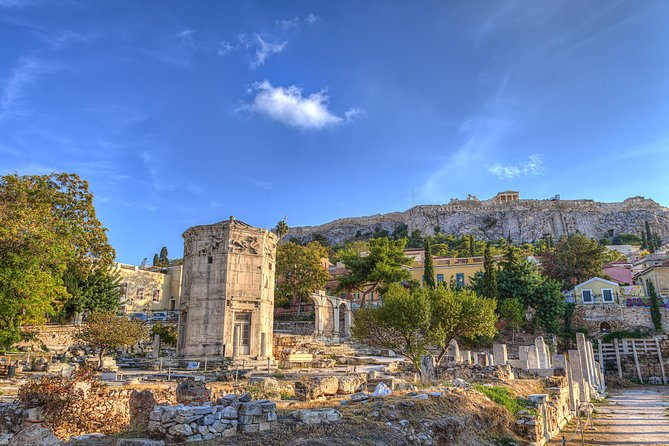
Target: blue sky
[183,113]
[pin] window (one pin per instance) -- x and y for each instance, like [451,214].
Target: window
[460,279]
[156,296]
[440,278]
[210,259]
[124,289]
[586,296]
[140,293]
[607,295]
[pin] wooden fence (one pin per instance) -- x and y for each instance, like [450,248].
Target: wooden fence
[624,347]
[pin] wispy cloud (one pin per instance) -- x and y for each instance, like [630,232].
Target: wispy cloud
[290,107]
[259,49]
[311,19]
[533,166]
[288,23]
[263,184]
[265,49]
[186,37]
[16,3]
[25,73]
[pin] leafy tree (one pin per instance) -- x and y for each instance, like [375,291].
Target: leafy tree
[627,239]
[511,311]
[400,231]
[383,265]
[163,258]
[300,272]
[380,232]
[489,286]
[415,239]
[460,313]
[548,301]
[156,260]
[320,238]
[574,260]
[100,290]
[401,324]
[655,314]
[167,333]
[281,229]
[106,331]
[48,226]
[428,270]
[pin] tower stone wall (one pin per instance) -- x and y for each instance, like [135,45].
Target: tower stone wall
[227,301]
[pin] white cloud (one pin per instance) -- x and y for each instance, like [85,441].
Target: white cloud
[533,166]
[290,107]
[265,49]
[311,19]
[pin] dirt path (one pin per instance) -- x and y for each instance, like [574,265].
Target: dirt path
[636,416]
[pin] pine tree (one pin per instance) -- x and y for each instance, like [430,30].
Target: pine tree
[164,259]
[655,314]
[489,275]
[156,260]
[428,269]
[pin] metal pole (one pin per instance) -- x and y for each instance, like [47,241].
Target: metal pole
[205,363]
[269,360]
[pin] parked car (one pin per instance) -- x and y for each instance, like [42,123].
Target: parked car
[159,317]
[138,317]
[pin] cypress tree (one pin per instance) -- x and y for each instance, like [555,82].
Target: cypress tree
[471,246]
[649,238]
[428,267]
[164,259]
[655,314]
[489,288]
[644,242]
[156,260]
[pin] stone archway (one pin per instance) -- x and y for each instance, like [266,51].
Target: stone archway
[333,316]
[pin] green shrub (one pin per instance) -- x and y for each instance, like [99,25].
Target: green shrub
[504,397]
[620,334]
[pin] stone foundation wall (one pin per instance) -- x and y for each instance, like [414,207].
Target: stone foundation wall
[224,419]
[57,338]
[619,317]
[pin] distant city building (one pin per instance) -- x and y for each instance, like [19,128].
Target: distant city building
[147,291]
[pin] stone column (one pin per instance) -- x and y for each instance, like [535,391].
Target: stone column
[335,332]
[542,353]
[467,357]
[454,351]
[263,345]
[532,358]
[348,321]
[490,359]
[586,360]
[235,342]
[576,369]
[156,346]
[500,354]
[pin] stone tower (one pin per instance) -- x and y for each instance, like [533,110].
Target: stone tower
[227,300]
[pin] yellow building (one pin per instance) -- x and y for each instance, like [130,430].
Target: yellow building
[446,269]
[658,275]
[148,291]
[597,291]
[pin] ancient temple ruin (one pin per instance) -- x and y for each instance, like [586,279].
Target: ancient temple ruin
[227,301]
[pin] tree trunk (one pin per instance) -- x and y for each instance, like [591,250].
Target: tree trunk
[102,353]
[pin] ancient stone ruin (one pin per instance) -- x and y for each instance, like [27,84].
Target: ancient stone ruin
[227,300]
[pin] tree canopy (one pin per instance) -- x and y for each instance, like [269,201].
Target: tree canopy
[575,259]
[412,322]
[106,331]
[48,226]
[382,265]
[299,271]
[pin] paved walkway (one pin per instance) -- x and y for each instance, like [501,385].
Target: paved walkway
[630,417]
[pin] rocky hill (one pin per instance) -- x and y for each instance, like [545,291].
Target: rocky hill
[523,220]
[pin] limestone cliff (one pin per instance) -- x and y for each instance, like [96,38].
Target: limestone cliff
[524,220]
